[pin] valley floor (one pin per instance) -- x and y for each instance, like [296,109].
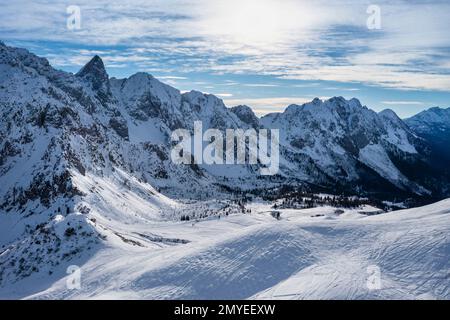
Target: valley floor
[307,254]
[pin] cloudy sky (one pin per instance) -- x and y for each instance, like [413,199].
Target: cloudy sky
[263,53]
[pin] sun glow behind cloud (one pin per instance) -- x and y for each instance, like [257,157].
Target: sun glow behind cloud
[258,24]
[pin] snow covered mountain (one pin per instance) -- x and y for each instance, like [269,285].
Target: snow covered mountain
[126,123]
[84,155]
[432,121]
[341,143]
[433,125]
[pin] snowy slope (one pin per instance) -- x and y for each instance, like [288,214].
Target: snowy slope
[308,254]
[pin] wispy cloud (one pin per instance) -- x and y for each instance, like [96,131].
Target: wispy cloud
[407,103]
[262,106]
[224,95]
[231,83]
[171,78]
[341,89]
[262,85]
[306,85]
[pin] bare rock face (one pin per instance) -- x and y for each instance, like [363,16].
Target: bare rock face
[120,127]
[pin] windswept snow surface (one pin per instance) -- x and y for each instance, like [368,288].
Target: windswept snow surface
[307,254]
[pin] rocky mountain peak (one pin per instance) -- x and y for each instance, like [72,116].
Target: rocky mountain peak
[246,114]
[435,115]
[95,72]
[94,75]
[389,114]
[355,102]
[316,101]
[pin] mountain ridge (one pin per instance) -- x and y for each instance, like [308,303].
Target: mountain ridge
[132,105]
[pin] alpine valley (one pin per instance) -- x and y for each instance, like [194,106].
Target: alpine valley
[87,180]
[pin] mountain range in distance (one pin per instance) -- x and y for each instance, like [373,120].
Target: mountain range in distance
[91,122]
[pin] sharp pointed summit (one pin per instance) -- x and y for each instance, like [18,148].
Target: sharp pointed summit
[94,73]
[94,66]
